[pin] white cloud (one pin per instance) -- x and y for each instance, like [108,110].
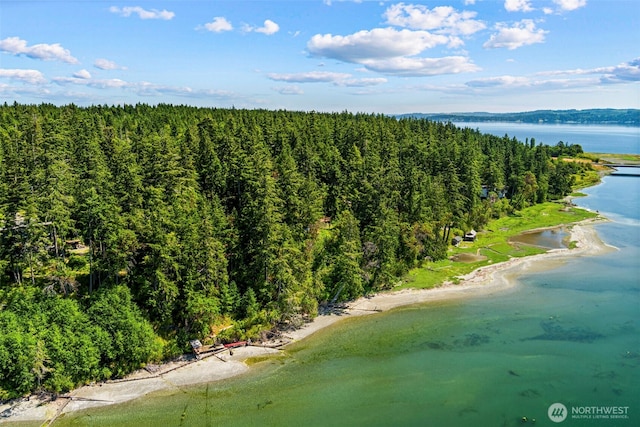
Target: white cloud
[289,90]
[144,88]
[310,77]
[368,81]
[269,27]
[143,13]
[46,52]
[520,34]
[500,81]
[392,51]
[377,43]
[518,5]
[105,64]
[629,71]
[469,2]
[621,73]
[26,76]
[82,74]
[337,79]
[500,84]
[94,83]
[568,5]
[574,79]
[416,67]
[441,19]
[218,25]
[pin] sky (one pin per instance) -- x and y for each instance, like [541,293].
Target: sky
[384,57]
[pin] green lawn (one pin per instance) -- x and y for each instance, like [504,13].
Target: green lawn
[616,158]
[492,244]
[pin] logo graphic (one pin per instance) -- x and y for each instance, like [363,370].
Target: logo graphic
[557,412]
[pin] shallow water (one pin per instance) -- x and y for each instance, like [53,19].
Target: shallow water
[569,335]
[548,239]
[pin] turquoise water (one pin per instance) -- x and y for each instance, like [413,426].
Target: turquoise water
[569,335]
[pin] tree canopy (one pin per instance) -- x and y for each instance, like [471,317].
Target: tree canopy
[127,230]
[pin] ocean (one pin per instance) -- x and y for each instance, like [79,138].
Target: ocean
[592,138]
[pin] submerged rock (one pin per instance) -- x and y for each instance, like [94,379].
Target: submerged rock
[472,340]
[553,331]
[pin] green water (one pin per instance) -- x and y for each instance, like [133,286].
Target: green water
[480,362]
[569,335]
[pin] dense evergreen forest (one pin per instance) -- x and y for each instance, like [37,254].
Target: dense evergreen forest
[601,116]
[125,231]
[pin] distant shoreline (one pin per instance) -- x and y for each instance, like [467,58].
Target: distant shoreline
[603,117]
[482,281]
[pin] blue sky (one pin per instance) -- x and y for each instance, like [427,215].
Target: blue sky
[361,56]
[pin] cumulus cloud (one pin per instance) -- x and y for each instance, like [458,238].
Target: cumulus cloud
[45,52]
[629,71]
[82,74]
[269,27]
[105,64]
[25,76]
[564,6]
[416,67]
[441,19]
[218,25]
[568,5]
[391,51]
[377,43]
[520,34]
[518,5]
[142,13]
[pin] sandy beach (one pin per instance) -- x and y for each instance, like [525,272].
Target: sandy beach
[214,367]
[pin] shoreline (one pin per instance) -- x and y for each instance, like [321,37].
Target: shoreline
[483,281]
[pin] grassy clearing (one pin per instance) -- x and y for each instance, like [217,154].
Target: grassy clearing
[587,179]
[578,194]
[492,244]
[616,158]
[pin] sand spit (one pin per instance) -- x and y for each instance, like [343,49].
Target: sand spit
[483,281]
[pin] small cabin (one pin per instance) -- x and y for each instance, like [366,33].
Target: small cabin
[470,236]
[456,240]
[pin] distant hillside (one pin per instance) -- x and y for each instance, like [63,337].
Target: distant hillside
[629,117]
